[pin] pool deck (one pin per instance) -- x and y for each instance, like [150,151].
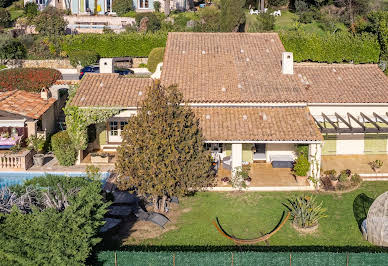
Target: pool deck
[51,165]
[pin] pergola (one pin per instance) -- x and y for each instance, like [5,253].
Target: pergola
[350,124]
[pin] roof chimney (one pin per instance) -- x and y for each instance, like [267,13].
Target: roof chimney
[287,63]
[106,65]
[158,71]
[45,94]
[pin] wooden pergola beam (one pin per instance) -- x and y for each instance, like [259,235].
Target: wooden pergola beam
[371,121]
[331,122]
[343,120]
[381,119]
[356,120]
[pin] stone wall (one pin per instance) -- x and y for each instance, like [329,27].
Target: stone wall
[139,60]
[57,64]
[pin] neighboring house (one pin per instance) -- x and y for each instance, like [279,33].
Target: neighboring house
[254,103]
[28,112]
[104,7]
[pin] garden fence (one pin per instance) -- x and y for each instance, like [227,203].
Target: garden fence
[240,258]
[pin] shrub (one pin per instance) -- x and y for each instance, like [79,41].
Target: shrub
[301,166]
[50,22]
[302,149]
[48,235]
[83,58]
[375,165]
[232,15]
[11,48]
[122,7]
[63,148]
[115,45]
[355,179]
[42,48]
[130,14]
[264,22]
[344,175]
[36,143]
[154,22]
[210,17]
[5,17]
[5,3]
[332,48]
[154,58]
[331,174]
[29,79]
[157,6]
[306,17]
[277,2]
[305,211]
[31,10]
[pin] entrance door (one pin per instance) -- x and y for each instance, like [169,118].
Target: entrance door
[259,154]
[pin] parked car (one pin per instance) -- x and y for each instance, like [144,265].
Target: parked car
[96,69]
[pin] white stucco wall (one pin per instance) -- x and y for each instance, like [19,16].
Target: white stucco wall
[279,149]
[350,144]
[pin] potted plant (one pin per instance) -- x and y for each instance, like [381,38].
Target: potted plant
[344,176]
[225,180]
[37,144]
[376,165]
[301,167]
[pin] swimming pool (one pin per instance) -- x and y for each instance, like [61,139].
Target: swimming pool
[17,178]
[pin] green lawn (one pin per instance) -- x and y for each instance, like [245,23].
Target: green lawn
[16,14]
[247,214]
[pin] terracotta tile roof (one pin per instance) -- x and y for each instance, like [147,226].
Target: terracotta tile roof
[246,67]
[257,123]
[342,83]
[24,103]
[110,90]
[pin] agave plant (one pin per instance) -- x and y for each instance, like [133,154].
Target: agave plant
[305,211]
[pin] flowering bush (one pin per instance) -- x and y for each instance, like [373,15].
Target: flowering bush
[29,79]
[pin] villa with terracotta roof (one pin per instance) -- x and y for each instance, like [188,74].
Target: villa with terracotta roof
[256,105]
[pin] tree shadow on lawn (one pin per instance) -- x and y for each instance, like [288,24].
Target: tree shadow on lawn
[361,205]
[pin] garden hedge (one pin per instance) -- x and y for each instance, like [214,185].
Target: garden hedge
[154,58]
[115,45]
[83,58]
[332,48]
[29,79]
[63,148]
[240,258]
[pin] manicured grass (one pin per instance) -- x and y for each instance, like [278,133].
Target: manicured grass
[16,14]
[247,214]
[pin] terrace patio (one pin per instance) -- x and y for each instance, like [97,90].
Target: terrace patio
[264,175]
[356,163]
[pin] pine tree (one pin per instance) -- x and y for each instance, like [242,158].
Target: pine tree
[232,15]
[162,153]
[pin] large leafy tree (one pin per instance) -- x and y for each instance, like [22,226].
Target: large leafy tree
[162,153]
[51,22]
[232,15]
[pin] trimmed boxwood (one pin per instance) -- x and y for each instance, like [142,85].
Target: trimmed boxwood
[332,48]
[63,148]
[154,58]
[28,79]
[115,45]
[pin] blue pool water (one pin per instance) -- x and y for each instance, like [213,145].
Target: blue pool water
[17,178]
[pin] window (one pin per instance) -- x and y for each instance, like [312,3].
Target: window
[122,125]
[114,128]
[143,4]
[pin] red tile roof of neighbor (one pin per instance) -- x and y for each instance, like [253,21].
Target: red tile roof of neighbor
[24,103]
[257,123]
[246,67]
[110,90]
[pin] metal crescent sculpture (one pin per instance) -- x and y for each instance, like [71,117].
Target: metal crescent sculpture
[254,240]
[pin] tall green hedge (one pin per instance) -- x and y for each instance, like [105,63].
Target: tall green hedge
[332,48]
[115,45]
[240,258]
